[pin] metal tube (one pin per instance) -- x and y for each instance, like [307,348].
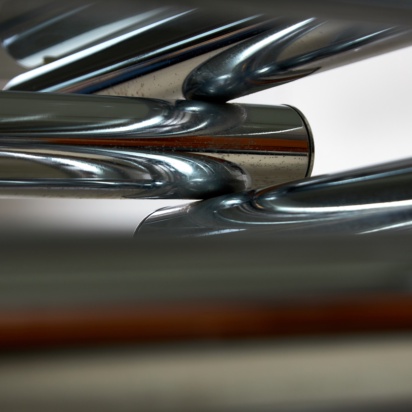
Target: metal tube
[98,173]
[35,36]
[271,144]
[99,291]
[137,319]
[165,38]
[283,55]
[168,52]
[370,200]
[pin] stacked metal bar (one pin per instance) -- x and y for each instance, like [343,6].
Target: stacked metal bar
[135,147]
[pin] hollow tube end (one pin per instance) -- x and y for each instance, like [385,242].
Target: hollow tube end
[311,141]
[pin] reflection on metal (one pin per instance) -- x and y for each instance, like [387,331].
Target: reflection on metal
[168,52]
[53,30]
[280,56]
[161,38]
[99,173]
[371,200]
[271,144]
[218,59]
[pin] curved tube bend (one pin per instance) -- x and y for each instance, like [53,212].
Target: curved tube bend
[370,200]
[98,173]
[287,53]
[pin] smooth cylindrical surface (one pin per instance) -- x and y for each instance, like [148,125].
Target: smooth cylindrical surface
[371,200]
[157,38]
[288,53]
[36,35]
[98,173]
[271,144]
[170,52]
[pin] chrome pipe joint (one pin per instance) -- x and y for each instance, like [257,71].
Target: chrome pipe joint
[365,201]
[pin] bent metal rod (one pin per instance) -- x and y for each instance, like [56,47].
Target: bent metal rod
[370,200]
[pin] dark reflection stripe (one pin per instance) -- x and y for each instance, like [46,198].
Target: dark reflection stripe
[190,143]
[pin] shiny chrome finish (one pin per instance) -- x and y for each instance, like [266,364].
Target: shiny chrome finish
[370,200]
[271,144]
[176,39]
[99,173]
[170,52]
[279,56]
[38,35]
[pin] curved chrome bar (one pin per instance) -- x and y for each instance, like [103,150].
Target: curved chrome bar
[168,52]
[272,144]
[98,173]
[279,56]
[161,38]
[370,200]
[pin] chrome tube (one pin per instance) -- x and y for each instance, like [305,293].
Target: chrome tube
[364,201]
[162,38]
[98,173]
[94,321]
[270,144]
[35,36]
[283,55]
[170,52]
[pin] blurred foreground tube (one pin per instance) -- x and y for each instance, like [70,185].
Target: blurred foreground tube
[370,200]
[73,292]
[271,144]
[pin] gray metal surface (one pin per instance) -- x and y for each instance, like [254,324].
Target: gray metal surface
[289,53]
[271,144]
[163,37]
[91,48]
[370,200]
[97,173]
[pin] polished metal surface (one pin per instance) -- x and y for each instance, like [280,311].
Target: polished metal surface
[272,144]
[161,37]
[168,52]
[98,173]
[286,54]
[35,36]
[370,200]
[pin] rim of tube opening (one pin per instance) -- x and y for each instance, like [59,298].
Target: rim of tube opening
[310,140]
